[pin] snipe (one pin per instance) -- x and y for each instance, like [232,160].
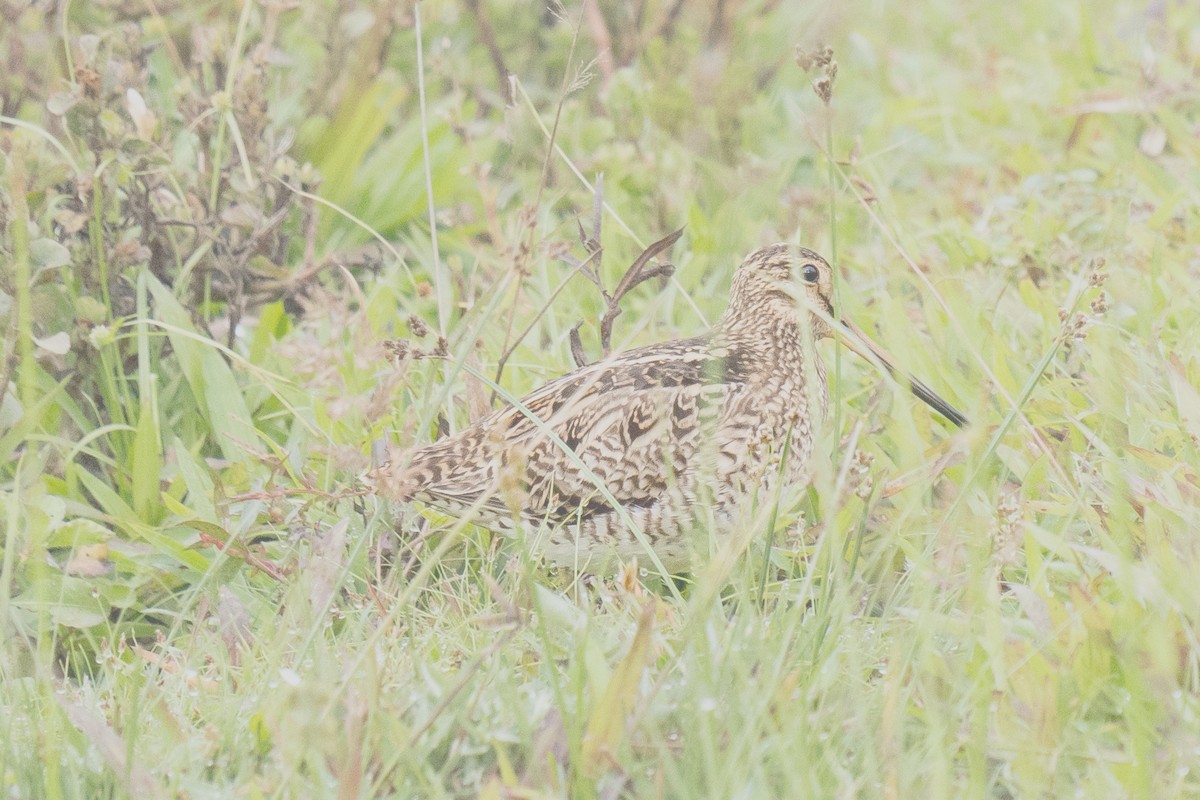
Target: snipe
[647,437]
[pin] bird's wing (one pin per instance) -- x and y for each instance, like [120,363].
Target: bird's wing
[633,423]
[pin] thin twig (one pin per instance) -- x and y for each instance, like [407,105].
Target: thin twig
[625,226]
[442,301]
[580,266]
[578,354]
[527,245]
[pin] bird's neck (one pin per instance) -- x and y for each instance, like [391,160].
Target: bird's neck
[762,323]
[771,336]
[783,362]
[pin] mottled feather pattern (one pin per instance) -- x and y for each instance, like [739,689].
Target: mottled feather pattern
[666,429]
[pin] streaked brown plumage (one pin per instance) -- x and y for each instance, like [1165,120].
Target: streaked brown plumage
[663,430]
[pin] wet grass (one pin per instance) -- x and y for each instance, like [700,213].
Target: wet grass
[213,218]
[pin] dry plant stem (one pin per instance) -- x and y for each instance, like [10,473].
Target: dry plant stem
[526,247]
[590,267]
[533,322]
[236,551]
[634,276]
[438,279]
[821,61]
[833,256]
[578,354]
[591,242]
[297,491]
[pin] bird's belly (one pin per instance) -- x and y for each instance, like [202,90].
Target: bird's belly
[597,542]
[724,486]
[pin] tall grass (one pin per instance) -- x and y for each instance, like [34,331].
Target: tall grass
[197,600]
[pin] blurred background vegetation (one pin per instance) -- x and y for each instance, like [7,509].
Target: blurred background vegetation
[213,214]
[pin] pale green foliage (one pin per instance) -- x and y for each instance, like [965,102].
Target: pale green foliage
[193,601]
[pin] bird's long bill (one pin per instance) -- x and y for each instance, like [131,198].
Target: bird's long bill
[860,343]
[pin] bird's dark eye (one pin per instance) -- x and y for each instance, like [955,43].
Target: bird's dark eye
[810,273]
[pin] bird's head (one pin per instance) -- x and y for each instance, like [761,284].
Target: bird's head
[778,282]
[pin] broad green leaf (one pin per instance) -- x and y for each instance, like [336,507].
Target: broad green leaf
[213,386]
[146,462]
[70,602]
[607,722]
[196,478]
[78,532]
[47,254]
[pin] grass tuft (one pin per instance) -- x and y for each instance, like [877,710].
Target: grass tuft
[212,218]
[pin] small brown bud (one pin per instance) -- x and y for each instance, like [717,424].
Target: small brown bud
[417,326]
[804,59]
[818,59]
[398,349]
[823,86]
[90,81]
[1079,326]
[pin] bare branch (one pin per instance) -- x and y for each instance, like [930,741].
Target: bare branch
[634,276]
[577,351]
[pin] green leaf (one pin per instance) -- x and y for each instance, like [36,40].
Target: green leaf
[146,463]
[196,479]
[47,254]
[607,722]
[78,532]
[69,601]
[213,386]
